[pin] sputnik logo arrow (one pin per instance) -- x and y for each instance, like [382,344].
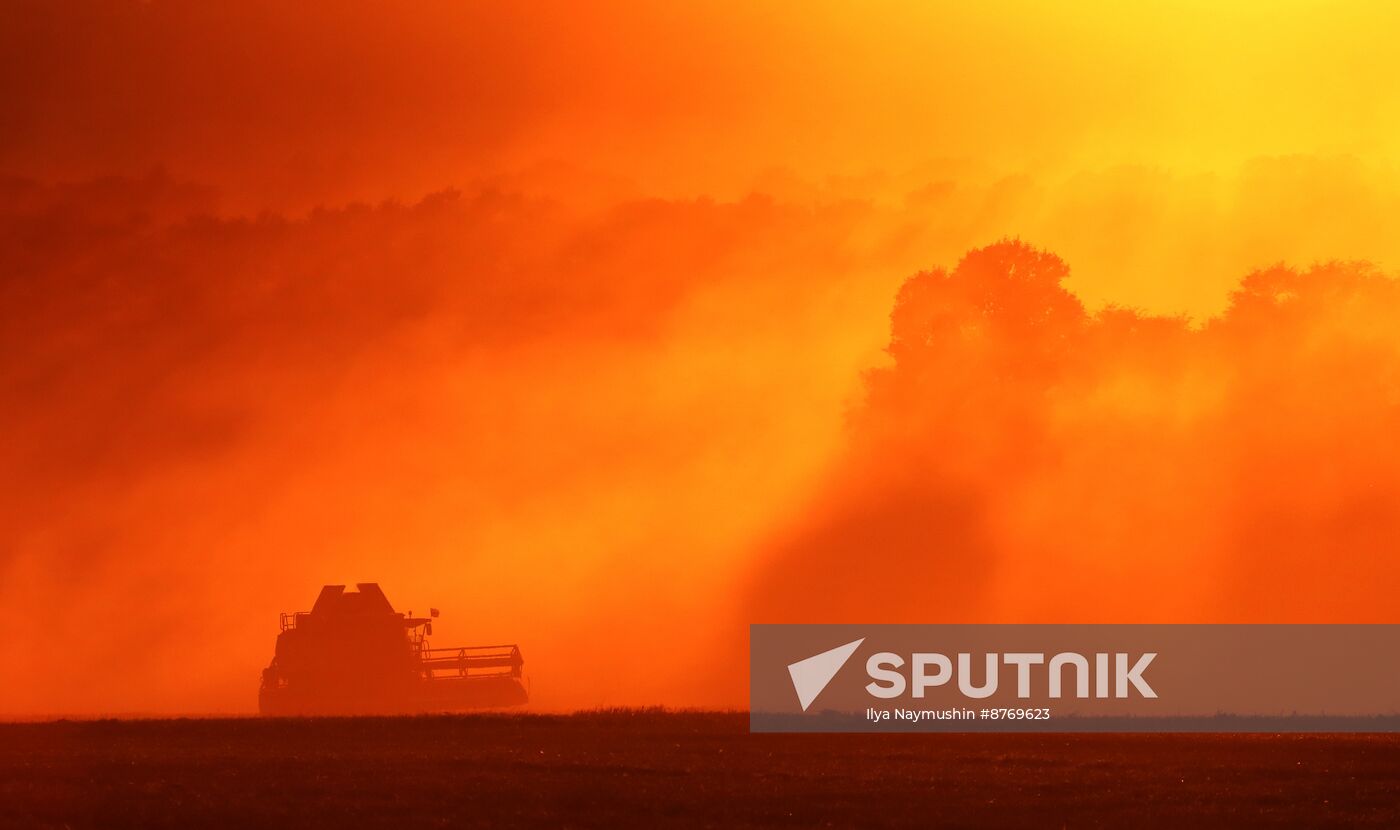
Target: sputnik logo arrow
[812,675]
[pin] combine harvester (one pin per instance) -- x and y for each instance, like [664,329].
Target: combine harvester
[352,654]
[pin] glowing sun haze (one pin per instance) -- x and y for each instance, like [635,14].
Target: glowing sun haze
[611,329]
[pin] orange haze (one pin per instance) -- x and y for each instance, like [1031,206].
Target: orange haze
[611,329]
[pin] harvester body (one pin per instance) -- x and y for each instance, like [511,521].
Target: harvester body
[352,653]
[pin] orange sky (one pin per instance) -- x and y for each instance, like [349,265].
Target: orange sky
[577,325]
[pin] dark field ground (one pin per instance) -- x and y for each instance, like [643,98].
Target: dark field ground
[652,769]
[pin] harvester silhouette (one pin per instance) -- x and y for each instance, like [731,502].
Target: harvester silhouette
[352,653]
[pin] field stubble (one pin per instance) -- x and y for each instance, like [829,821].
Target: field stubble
[653,768]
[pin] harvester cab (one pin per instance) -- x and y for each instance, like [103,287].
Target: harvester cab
[352,653]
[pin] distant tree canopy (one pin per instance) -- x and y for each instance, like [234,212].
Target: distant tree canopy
[1020,452]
